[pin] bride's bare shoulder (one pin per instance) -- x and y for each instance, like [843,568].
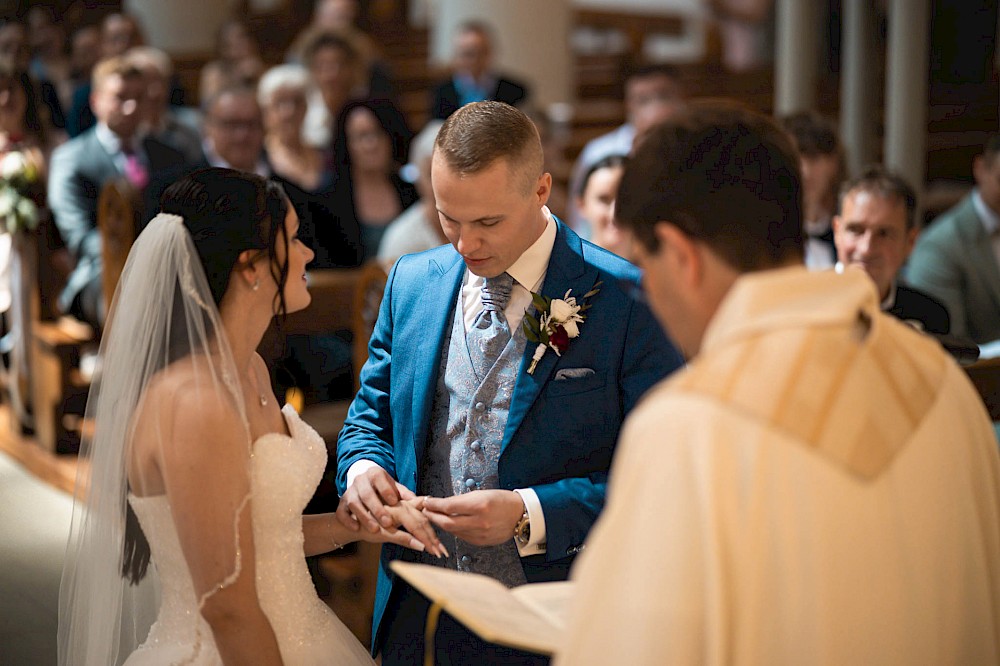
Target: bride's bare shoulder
[190,393]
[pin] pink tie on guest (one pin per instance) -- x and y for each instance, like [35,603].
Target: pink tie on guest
[135,171]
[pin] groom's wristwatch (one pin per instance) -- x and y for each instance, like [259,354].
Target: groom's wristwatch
[522,531]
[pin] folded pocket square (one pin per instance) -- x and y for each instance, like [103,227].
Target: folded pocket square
[573,373]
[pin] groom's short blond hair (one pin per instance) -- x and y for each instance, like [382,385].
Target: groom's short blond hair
[477,135]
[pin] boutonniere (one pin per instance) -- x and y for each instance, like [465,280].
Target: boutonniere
[557,323]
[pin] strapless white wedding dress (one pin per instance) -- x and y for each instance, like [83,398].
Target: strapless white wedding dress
[285,473]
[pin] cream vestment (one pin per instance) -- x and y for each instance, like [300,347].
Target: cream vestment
[820,486]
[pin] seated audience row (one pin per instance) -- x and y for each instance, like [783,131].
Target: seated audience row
[339,157]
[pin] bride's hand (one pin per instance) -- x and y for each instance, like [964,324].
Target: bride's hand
[413,529]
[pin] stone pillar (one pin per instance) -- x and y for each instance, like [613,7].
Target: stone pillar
[181,27]
[858,85]
[532,41]
[906,90]
[797,55]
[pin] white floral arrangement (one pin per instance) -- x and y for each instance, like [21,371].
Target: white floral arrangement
[557,323]
[18,175]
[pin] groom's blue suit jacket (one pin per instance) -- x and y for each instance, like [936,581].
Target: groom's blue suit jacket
[560,434]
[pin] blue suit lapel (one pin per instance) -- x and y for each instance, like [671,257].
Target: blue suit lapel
[566,270]
[436,307]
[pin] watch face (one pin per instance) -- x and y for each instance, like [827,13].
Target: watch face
[523,530]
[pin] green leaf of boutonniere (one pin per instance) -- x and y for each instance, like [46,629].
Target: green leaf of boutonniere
[593,291]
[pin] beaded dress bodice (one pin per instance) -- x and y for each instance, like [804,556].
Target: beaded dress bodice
[285,471]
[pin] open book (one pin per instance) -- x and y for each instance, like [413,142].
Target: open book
[529,617]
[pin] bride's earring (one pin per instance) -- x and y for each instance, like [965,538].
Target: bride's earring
[256,284]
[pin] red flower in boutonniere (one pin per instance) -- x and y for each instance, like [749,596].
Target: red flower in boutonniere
[560,339]
[557,323]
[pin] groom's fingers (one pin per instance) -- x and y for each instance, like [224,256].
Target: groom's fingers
[385,486]
[404,492]
[417,524]
[466,528]
[354,514]
[481,517]
[360,498]
[345,516]
[375,489]
[456,505]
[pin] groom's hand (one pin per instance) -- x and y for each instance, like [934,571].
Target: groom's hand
[482,517]
[363,505]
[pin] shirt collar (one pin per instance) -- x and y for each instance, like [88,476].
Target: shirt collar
[214,160]
[815,228]
[989,217]
[110,141]
[529,269]
[889,302]
[485,83]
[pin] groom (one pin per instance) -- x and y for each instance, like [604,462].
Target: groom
[515,457]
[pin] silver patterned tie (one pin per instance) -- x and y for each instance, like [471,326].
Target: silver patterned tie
[490,333]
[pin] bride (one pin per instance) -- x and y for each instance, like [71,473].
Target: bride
[192,467]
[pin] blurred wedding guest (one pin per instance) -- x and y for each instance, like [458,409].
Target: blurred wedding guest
[21,123]
[875,231]
[84,52]
[957,258]
[14,46]
[340,17]
[282,93]
[158,116]
[333,64]
[821,158]
[474,78]
[418,228]
[50,60]
[652,92]
[596,203]
[113,148]
[14,43]
[234,131]
[371,145]
[237,60]
[305,172]
[746,31]
[821,485]
[119,33]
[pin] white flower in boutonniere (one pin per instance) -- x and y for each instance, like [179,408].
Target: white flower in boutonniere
[557,323]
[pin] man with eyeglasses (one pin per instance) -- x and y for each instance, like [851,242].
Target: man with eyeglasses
[234,131]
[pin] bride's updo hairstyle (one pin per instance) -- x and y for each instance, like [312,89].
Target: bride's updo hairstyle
[227,212]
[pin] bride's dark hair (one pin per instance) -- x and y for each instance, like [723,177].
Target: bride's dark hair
[225,213]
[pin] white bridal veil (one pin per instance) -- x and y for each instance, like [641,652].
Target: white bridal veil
[164,347]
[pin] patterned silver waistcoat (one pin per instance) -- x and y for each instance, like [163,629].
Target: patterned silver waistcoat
[468,418]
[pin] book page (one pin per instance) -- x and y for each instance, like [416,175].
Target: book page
[485,606]
[550,600]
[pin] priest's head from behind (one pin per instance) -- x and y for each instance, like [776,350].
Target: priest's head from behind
[489,184]
[708,196]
